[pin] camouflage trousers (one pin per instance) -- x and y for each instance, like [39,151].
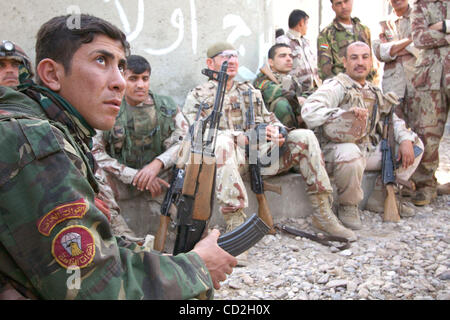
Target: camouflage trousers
[346,163]
[432,113]
[284,112]
[302,152]
[406,110]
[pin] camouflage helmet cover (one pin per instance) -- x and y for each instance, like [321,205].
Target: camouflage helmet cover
[11,50]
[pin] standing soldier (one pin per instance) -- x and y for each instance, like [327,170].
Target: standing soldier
[304,69]
[334,38]
[396,50]
[280,91]
[430,22]
[143,144]
[50,227]
[349,113]
[299,148]
[15,65]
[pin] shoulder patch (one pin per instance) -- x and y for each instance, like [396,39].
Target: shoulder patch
[72,210]
[324,46]
[74,246]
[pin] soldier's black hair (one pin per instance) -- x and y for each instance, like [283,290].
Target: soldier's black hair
[274,48]
[295,17]
[60,37]
[138,64]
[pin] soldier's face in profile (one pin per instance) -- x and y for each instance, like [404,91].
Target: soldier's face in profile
[358,62]
[282,61]
[137,87]
[303,26]
[9,72]
[95,84]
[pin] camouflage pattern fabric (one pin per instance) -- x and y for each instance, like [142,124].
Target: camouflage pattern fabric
[281,97]
[331,43]
[346,162]
[432,84]
[302,152]
[304,69]
[49,226]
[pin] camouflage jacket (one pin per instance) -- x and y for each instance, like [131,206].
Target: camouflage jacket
[331,44]
[341,93]
[54,242]
[151,130]
[235,106]
[399,71]
[304,68]
[433,63]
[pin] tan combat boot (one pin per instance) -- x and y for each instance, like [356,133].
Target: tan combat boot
[349,216]
[375,203]
[324,219]
[443,189]
[234,220]
[424,196]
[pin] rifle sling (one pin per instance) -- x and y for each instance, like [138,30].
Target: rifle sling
[322,239]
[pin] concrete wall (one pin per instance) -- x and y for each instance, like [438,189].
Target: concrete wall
[174,35]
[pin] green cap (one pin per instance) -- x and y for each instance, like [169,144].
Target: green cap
[218,48]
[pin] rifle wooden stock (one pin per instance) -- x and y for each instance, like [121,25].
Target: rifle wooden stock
[264,212]
[390,205]
[272,187]
[268,72]
[160,237]
[205,187]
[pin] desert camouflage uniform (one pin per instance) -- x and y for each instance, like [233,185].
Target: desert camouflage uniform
[331,44]
[304,68]
[48,220]
[302,152]
[281,97]
[432,84]
[347,161]
[151,130]
[399,71]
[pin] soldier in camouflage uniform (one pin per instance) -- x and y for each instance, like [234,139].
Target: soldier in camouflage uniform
[301,149]
[13,63]
[280,91]
[349,113]
[430,22]
[50,228]
[395,48]
[138,151]
[334,38]
[304,69]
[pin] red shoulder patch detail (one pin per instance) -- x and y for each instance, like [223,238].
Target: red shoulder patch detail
[71,210]
[74,246]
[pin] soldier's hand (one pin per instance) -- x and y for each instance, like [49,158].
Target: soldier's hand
[218,261]
[144,178]
[273,134]
[406,153]
[155,186]
[360,113]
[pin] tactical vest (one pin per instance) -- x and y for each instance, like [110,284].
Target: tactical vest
[371,98]
[139,132]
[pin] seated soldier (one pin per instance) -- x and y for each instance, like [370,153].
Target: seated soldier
[349,112]
[136,153]
[281,93]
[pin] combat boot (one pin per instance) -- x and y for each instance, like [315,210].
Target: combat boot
[234,220]
[375,203]
[349,216]
[424,196]
[325,220]
[443,189]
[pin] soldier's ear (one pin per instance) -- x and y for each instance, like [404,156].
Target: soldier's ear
[49,73]
[270,62]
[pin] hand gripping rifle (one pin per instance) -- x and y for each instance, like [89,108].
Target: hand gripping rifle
[387,171]
[197,195]
[257,184]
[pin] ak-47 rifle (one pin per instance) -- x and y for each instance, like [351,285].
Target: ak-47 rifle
[257,184]
[388,172]
[195,203]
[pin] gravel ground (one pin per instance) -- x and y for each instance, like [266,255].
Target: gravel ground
[405,260]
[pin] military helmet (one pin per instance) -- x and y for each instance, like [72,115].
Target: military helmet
[10,50]
[344,127]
